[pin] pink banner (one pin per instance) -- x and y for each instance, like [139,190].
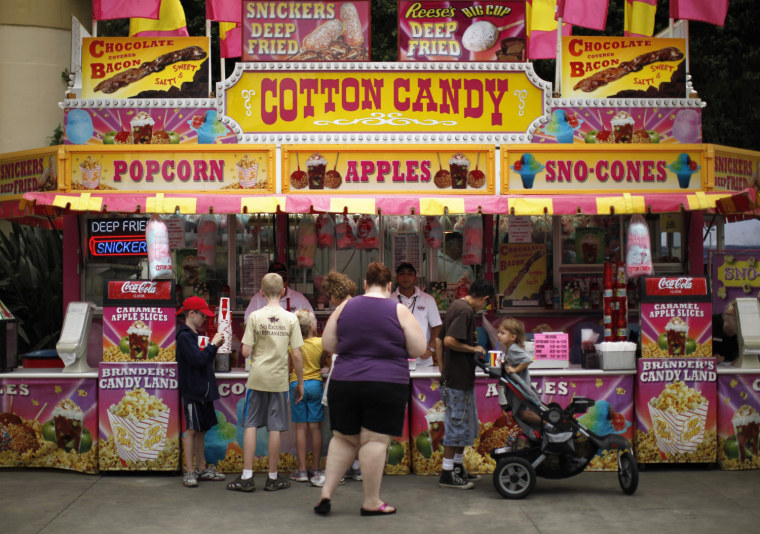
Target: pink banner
[116,126]
[49,422]
[139,411]
[676,410]
[461,31]
[739,421]
[621,124]
[613,413]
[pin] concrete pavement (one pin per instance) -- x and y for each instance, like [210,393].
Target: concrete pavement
[670,499]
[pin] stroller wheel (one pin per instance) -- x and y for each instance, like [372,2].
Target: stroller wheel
[514,477]
[628,473]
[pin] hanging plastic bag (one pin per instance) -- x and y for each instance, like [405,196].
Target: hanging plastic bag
[366,233]
[639,248]
[472,246]
[159,255]
[325,231]
[409,224]
[207,230]
[307,242]
[433,232]
[345,233]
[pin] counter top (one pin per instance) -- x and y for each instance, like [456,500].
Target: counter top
[47,373]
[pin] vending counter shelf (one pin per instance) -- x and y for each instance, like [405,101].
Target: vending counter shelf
[613,412]
[738,418]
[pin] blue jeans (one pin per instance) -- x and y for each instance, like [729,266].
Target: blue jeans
[461,418]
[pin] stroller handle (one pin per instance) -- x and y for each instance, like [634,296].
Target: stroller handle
[513,381]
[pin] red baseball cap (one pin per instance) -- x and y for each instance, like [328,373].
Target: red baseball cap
[197,304]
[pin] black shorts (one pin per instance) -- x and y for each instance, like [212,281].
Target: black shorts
[199,415]
[376,406]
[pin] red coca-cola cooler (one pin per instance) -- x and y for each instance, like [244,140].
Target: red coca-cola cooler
[676,317]
[139,318]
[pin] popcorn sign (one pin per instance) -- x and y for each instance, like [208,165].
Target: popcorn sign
[676,410]
[139,416]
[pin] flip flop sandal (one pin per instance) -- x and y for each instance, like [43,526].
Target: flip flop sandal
[380,511]
[323,508]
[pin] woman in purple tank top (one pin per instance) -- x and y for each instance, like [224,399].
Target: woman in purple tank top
[369,385]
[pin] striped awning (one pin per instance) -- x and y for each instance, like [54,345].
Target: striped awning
[624,203]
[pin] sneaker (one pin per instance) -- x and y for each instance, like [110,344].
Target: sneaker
[276,484]
[299,476]
[459,468]
[241,484]
[317,478]
[189,479]
[354,474]
[452,479]
[210,473]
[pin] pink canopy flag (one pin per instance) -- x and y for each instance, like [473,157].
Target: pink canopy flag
[230,39]
[224,11]
[586,13]
[639,17]
[171,22]
[711,11]
[541,29]
[125,9]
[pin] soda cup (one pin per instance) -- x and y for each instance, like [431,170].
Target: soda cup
[496,357]
[202,342]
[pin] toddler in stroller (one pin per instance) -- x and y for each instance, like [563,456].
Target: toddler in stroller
[554,443]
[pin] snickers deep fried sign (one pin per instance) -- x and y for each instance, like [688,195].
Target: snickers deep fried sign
[306,31]
[396,98]
[623,67]
[461,31]
[145,67]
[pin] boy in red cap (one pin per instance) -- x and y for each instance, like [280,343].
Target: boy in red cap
[197,387]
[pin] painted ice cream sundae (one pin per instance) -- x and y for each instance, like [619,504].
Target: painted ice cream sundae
[315,170]
[208,128]
[562,126]
[459,167]
[142,128]
[684,167]
[622,127]
[527,167]
[746,423]
[676,331]
[139,340]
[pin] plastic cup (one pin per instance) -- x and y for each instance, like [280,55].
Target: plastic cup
[684,177]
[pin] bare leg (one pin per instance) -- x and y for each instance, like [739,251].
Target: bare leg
[315,429]
[249,447]
[200,449]
[188,448]
[372,455]
[301,445]
[274,450]
[340,455]
[449,452]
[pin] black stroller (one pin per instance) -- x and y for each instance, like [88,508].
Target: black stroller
[561,452]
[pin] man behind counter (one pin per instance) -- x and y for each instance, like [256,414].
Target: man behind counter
[725,341]
[291,301]
[422,306]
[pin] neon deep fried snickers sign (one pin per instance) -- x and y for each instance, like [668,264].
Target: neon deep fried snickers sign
[464,102]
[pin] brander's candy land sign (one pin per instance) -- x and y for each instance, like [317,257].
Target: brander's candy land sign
[399,99]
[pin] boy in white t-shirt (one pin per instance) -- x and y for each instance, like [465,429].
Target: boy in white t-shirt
[269,332]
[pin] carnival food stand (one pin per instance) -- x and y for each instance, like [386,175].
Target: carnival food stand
[331,164]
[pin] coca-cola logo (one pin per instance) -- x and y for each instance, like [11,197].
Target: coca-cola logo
[142,288]
[674,283]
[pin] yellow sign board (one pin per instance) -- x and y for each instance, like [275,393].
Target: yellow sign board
[400,98]
[229,169]
[734,169]
[352,169]
[623,67]
[145,67]
[602,169]
[29,171]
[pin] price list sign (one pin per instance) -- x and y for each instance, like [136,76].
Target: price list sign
[551,346]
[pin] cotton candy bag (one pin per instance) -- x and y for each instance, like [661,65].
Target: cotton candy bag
[472,245]
[639,248]
[366,233]
[307,242]
[159,255]
[345,233]
[325,231]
